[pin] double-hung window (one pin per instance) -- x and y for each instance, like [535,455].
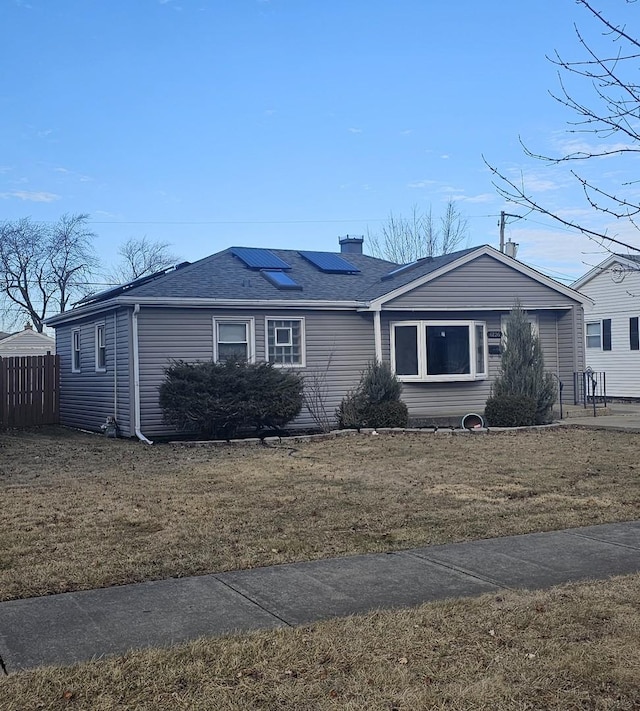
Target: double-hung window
[285,341]
[75,351]
[594,334]
[439,350]
[598,334]
[101,349]
[233,339]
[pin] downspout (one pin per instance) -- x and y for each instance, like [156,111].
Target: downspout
[115,366]
[136,377]
[377,334]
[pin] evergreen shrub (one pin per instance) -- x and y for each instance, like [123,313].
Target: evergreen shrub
[510,411]
[375,402]
[218,400]
[522,372]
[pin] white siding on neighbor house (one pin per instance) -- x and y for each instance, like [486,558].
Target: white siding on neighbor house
[618,301]
[434,399]
[338,346]
[27,343]
[88,397]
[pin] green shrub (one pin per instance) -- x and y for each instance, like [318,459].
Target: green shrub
[392,413]
[217,400]
[375,402]
[510,411]
[522,367]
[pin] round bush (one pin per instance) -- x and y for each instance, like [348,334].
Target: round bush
[510,411]
[392,413]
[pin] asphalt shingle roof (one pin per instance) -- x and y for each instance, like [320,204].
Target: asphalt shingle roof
[224,276]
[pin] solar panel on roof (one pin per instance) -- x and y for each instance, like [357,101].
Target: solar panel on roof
[280,279]
[259,258]
[329,262]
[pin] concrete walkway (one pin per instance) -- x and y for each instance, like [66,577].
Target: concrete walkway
[624,417]
[74,627]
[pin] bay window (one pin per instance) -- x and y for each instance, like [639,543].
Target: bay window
[439,350]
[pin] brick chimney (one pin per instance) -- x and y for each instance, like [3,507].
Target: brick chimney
[351,244]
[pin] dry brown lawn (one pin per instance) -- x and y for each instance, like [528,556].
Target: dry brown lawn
[81,511]
[572,648]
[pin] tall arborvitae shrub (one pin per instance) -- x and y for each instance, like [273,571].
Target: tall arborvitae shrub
[522,374]
[218,400]
[375,402]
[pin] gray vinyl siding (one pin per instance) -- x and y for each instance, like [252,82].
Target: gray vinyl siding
[570,348]
[338,346]
[482,283]
[88,397]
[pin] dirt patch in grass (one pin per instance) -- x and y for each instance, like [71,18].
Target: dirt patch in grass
[81,511]
[566,649]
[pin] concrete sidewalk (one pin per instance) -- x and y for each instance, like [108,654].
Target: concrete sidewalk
[623,417]
[74,627]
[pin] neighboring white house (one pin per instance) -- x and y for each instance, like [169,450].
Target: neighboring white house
[26,343]
[612,338]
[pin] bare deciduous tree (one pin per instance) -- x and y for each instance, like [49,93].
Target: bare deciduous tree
[140,257]
[42,266]
[405,239]
[611,118]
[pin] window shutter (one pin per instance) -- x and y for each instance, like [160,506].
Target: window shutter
[606,334]
[634,339]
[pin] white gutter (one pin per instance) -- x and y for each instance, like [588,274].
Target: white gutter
[136,377]
[377,335]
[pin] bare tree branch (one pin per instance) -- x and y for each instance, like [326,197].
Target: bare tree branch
[42,265]
[611,117]
[140,257]
[405,239]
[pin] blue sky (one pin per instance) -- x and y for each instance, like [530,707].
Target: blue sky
[284,123]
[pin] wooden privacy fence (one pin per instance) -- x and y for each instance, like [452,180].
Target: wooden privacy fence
[29,391]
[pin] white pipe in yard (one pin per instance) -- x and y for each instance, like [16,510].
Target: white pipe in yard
[136,377]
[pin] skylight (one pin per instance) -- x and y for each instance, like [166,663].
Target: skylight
[280,279]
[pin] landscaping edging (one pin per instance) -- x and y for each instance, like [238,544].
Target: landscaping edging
[334,434]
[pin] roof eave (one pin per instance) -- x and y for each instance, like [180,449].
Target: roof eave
[180,302]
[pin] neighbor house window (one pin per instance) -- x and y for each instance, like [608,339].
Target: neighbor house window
[634,337]
[439,350]
[594,335]
[75,351]
[233,339]
[101,350]
[285,341]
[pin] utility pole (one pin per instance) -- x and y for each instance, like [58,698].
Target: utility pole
[502,223]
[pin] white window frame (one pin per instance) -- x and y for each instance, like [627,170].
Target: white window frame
[423,376]
[248,322]
[303,341]
[593,335]
[100,329]
[76,348]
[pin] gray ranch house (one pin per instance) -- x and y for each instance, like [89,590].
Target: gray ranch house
[438,321]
